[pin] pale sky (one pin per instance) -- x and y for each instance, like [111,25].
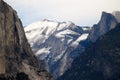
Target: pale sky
[81,12]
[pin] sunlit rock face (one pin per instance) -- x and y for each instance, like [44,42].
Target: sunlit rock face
[16,57]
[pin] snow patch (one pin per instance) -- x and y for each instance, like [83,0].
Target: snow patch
[81,38]
[63,34]
[43,51]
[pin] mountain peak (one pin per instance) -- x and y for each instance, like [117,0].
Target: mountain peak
[106,15]
[104,12]
[49,24]
[106,23]
[47,20]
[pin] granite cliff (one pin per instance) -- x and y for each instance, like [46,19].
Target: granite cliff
[17,61]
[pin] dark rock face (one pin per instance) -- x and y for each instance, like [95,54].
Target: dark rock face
[106,23]
[16,57]
[100,61]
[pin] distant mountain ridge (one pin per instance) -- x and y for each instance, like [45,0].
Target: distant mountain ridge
[59,43]
[53,43]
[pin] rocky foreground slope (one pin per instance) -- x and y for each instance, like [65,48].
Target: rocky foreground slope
[17,61]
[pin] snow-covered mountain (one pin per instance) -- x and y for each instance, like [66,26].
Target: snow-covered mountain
[56,43]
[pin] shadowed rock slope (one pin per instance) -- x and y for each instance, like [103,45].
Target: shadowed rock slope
[17,61]
[100,61]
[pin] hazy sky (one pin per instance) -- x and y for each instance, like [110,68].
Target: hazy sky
[81,12]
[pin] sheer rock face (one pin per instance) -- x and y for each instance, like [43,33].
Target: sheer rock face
[106,23]
[16,57]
